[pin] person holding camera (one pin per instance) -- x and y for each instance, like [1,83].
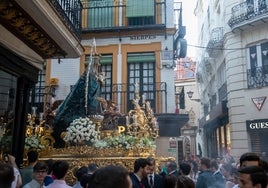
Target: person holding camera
[9,159]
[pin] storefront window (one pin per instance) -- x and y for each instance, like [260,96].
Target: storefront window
[8,85]
[223,144]
[228,135]
[218,141]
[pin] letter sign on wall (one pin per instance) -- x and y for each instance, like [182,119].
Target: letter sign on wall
[257,125]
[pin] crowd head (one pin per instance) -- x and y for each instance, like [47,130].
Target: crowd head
[251,176]
[110,176]
[40,171]
[32,156]
[6,175]
[249,159]
[185,182]
[60,169]
[251,172]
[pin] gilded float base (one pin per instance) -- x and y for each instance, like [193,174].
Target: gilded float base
[83,155]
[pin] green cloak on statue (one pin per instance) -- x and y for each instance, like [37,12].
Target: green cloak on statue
[80,102]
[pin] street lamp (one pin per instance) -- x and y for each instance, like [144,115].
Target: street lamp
[190,95]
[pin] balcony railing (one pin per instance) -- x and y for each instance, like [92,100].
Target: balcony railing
[257,77]
[248,12]
[156,93]
[111,16]
[216,40]
[70,11]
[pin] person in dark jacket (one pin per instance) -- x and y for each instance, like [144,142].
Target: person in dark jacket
[170,181]
[79,173]
[185,182]
[206,179]
[110,176]
[172,168]
[141,170]
[153,180]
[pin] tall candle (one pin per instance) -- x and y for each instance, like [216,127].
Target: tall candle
[34,111]
[136,87]
[143,98]
[127,120]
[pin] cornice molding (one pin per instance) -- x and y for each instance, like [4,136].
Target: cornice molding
[18,22]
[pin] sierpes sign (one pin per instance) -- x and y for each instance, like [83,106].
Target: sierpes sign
[142,37]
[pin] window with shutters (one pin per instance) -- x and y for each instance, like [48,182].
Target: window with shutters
[141,71]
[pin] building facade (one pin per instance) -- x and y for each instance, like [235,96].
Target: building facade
[136,43]
[232,75]
[188,102]
[136,46]
[31,33]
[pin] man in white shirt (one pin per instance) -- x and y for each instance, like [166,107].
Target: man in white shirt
[60,169]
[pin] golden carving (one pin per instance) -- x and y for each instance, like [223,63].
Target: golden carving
[47,139]
[140,124]
[54,82]
[25,28]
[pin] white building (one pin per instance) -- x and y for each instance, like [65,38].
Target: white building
[232,75]
[136,43]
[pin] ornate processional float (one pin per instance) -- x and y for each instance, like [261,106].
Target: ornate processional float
[89,129]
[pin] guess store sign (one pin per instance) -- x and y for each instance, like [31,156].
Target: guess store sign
[255,125]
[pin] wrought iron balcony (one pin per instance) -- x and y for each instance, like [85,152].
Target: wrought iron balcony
[248,13]
[70,11]
[216,41]
[112,16]
[156,93]
[257,77]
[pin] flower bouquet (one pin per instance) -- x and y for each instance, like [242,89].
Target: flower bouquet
[147,143]
[121,141]
[33,143]
[81,130]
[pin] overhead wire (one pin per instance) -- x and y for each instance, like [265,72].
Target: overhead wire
[218,48]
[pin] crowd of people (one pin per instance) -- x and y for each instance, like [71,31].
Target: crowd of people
[249,172]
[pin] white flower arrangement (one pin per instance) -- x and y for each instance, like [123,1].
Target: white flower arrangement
[101,144]
[33,142]
[125,142]
[147,143]
[122,141]
[81,129]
